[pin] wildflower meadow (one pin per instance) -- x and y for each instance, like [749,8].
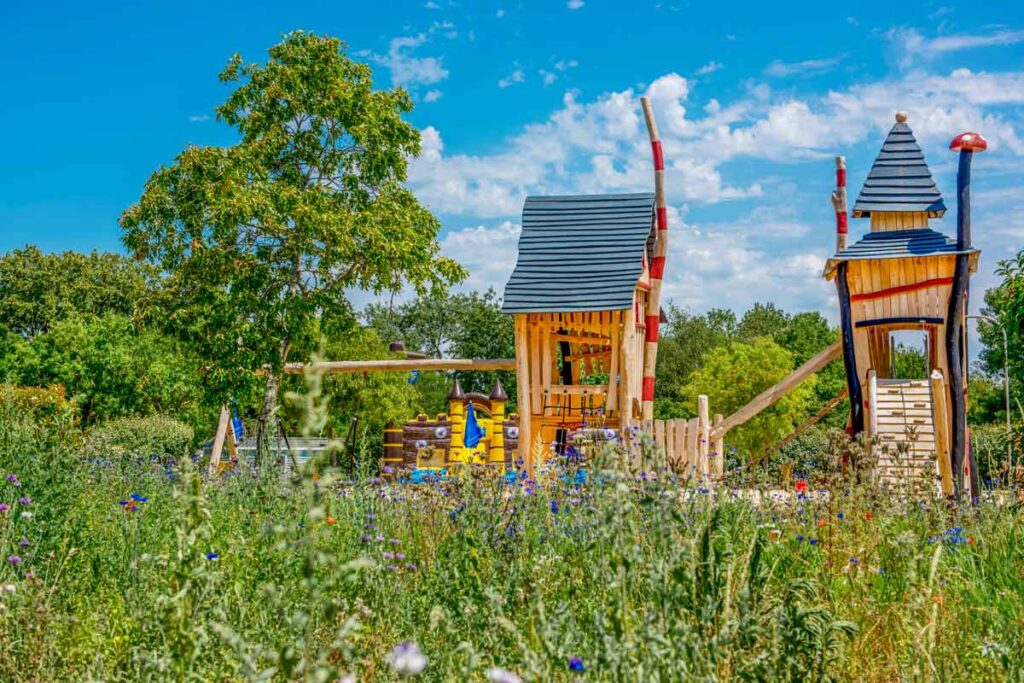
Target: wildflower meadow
[138,569]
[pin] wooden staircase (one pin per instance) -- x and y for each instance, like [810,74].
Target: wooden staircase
[904,431]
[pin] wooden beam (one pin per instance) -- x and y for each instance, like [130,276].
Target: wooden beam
[357,366]
[769,396]
[218,441]
[523,389]
[940,418]
[813,420]
[704,435]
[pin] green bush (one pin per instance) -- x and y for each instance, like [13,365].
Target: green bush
[36,420]
[144,437]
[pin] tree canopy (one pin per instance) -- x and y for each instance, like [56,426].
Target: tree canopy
[263,239]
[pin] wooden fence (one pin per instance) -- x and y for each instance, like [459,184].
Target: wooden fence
[688,444]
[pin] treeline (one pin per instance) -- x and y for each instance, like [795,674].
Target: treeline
[97,325]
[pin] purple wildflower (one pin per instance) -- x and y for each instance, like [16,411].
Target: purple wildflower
[14,559]
[4,507]
[24,543]
[25,500]
[389,556]
[411,566]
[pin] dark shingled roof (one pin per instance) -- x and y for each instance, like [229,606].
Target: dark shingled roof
[580,253]
[896,244]
[900,179]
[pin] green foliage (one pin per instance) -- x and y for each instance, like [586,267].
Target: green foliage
[451,325]
[264,238]
[38,290]
[36,420]
[112,368]
[684,342]
[154,436]
[732,375]
[1005,302]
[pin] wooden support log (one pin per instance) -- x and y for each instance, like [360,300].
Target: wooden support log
[719,448]
[769,396]
[940,419]
[356,366]
[704,434]
[218,440]
[813,420]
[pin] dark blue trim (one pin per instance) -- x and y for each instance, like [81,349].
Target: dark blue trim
[894,321]
[849,357]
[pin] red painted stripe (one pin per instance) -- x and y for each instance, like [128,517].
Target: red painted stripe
[936,282]
[841,177]
[647,393]
[657,267]
[651,331]
[662,213]
[841,225]
[659,160]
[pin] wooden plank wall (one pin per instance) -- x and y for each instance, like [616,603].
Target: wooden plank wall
[687,445]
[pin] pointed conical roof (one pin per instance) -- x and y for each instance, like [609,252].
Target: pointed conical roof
[498,392]
[456,393]
[899,180]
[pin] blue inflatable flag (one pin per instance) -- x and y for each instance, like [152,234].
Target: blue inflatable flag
[238,427]
[474,432]
[414,375]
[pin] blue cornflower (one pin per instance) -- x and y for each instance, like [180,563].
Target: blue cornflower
[813,541]
[138,498]
[854,561]
[575,664]
[554,506]
[212,556]
[799,538]
[840,515]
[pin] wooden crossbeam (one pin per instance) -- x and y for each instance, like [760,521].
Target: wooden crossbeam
[356,366]
[813,420]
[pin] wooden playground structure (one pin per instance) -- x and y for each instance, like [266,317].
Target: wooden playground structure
[585,297]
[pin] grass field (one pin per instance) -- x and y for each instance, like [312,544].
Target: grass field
[140,571]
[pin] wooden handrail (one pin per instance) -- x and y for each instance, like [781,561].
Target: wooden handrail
[355,366]
[769,396]
[941,426]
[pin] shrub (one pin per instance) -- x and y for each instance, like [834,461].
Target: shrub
[36,420]
[143,437]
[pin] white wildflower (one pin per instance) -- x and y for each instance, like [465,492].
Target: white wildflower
[407,660]
[26,515]
[496,675]
[8,588]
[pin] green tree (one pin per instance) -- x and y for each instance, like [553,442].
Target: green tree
[264,238]
[112,368]
[38,290]
[684,342]
[763,320]
[1005,302]
[732,375]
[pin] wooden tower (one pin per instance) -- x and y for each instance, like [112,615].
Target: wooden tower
[903,275]
[585,297]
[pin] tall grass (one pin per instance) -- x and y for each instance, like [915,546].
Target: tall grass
[147,571]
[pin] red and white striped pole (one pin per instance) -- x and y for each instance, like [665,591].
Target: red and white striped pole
[653,316]
[839,204]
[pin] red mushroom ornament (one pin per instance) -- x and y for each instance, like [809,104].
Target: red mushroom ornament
[969,142]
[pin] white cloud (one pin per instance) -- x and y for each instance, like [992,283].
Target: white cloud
[500,13]
[566,64]
[432,5]
[709,68]
[913,44]
[575,4]
[808,66]
[549,77]
[517,76]
[199,118]
[432,95]
[406,68]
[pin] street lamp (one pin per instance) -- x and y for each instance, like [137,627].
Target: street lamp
[1006,382]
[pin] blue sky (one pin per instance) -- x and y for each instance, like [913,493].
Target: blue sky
[520,97]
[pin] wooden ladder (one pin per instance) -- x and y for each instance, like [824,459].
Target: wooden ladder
[904,431]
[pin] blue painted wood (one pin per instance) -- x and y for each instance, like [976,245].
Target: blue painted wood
[899,321]
[900,179]
[899,244]
[853,387]
[580,253]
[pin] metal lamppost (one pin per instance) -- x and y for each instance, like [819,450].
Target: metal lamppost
[1006,382]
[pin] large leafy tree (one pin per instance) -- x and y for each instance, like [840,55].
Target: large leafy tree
[263,239]
[38,290]
[1005,302]
[732,375]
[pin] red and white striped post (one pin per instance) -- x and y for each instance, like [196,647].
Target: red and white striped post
[653,315]
[839,204]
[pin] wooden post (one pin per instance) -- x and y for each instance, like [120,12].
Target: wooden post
[218,440]
[523,391]
[692,436]
[940,420]
[719,446]
[653,314]
[704,434]
[839,204]
[872,409]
